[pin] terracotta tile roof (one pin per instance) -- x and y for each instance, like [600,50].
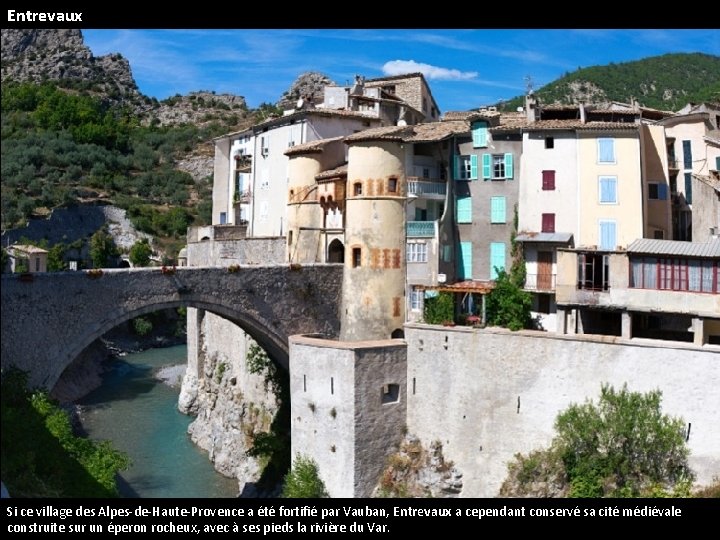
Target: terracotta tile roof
[432,131]
[312,147]
[333,173]
[470,115]
[577,124]
[470,285]
[26,248]
[394,77]
[713,136]
[318,112]
[712,180]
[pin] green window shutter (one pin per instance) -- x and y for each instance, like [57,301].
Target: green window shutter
[509,166]
[497,210]
[473,167]
[456,167]
[464,266]
[463,210]
[479,134]
[497,258]
[486,166]
[688,188]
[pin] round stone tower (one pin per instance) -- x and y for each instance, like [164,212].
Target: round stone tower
[373,303]
[305,237]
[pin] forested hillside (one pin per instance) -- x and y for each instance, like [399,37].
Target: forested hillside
[665,82]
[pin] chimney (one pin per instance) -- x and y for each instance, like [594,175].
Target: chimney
[583,116]
[531,110]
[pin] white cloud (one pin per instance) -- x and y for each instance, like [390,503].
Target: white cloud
[400,67]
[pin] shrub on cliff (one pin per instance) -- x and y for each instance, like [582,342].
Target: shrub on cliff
[303,481]
[623,446]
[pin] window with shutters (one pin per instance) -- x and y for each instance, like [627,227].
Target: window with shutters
[548,180]
[687,154]
[657,191]
[479,134]
[497,166]
[466,167]
[548,223]
[463,208]
[497,258]
[608,234]
[606,150]
[607,187]
[497,210]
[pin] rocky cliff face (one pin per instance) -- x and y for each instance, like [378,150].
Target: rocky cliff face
[231,404]
[61,55]
[310,83]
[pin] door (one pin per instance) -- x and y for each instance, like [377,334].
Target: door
[544,270]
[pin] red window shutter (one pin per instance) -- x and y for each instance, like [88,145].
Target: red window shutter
[548,180]
[548,223]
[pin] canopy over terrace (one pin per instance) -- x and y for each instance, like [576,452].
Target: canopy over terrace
[466,292]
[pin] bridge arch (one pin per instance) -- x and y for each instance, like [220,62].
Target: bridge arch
[49,321]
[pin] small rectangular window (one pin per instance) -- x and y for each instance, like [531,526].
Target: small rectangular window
[548,180]
[498,166]
[548,223]
[392,185]
[223,218]
[549,142]
[356,257]
[357,188]
[390,393]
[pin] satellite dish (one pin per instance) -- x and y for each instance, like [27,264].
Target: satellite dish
[300,103]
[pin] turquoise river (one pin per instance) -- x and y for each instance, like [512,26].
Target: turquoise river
[139,415]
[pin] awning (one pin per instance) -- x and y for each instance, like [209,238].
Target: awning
[548,238]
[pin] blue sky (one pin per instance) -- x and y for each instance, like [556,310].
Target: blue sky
[466,68]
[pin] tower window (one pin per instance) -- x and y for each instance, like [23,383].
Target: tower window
[356,257]
[392,185]
[357,188]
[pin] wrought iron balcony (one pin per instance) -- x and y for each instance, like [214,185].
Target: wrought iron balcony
[420,229]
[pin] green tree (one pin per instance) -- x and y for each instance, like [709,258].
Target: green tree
[140,253]
[439,309]
[303,481]
[623,446]
[102,248]
[56,258]
[508,305]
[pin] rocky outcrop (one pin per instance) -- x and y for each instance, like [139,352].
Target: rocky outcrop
[416,471]
[37,55]
[231,404]
[310,83]
[201,108]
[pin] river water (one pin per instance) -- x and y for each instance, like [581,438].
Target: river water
[139,415]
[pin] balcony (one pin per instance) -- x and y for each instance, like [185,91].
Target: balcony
[540,282]
[420,229]
[673,164]
[429,189]
[243,196]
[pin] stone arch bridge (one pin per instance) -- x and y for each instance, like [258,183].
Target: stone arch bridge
[49,319]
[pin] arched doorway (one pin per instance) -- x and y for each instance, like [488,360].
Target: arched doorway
[336,252]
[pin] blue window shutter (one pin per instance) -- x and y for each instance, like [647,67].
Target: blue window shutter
[509,166]
[486,166]
[608,238]
[456,167]
[717,163]
[473,167]
[463,207]
[479,134]
[497,210]
[688,187]
[662,192]
[497,258]
[687,154]
[606,150]
[464,266]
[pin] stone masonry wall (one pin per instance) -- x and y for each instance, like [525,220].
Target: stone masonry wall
[488,394]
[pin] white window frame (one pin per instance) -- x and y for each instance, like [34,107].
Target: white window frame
[416,299]
[495,157]
[465,166]
[416,252]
